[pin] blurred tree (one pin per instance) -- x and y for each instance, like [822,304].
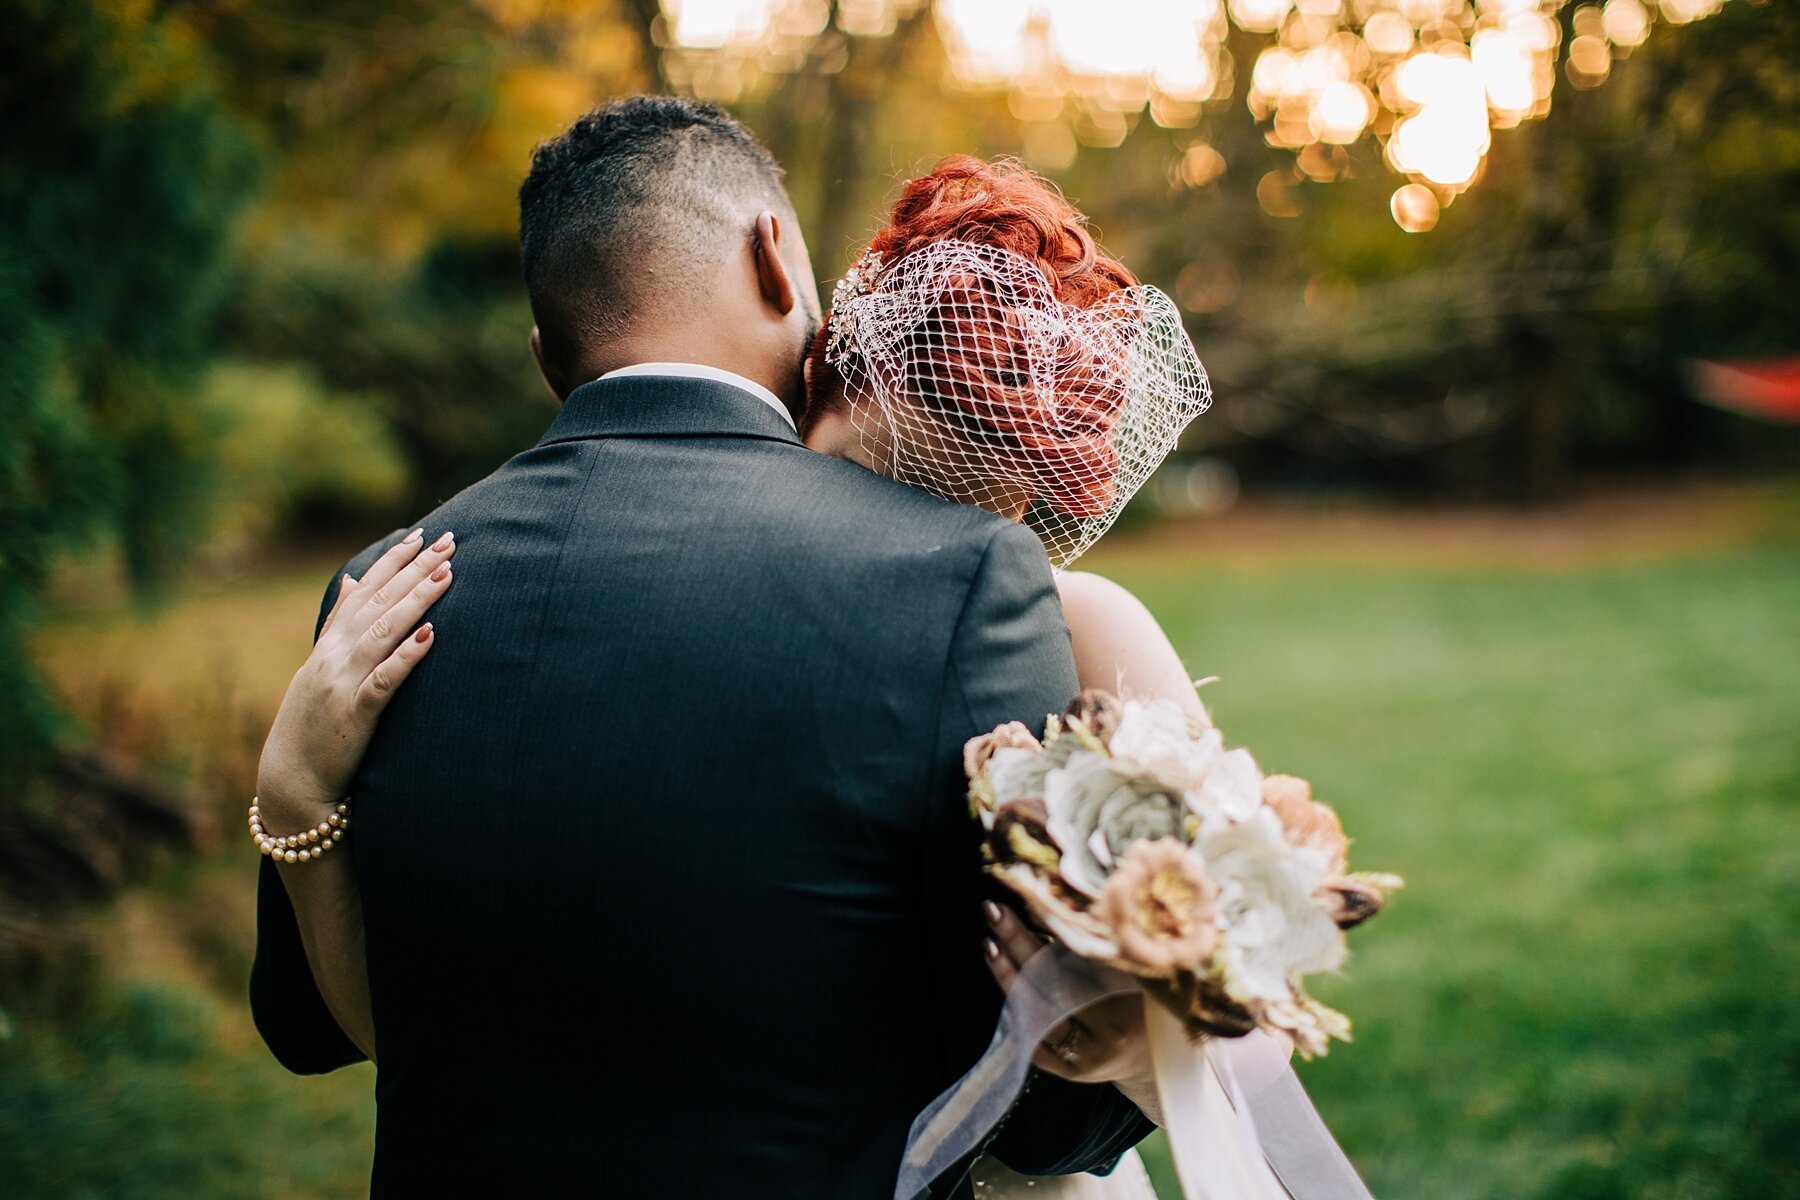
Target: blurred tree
[437,346]
[1544,327]
[338,457]
[384,256]
[121,181]
[398,124]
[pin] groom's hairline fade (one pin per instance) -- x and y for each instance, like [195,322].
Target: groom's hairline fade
[660,179]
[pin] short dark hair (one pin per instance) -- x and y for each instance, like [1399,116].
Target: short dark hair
[647,179]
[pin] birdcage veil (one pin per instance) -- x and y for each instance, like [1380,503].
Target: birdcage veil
[968,377]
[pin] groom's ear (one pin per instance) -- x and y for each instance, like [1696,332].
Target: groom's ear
[771,272]
[553,378]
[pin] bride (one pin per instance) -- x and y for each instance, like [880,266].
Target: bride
[982,349]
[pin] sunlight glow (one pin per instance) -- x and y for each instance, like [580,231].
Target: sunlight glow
[715,24]
[1428,80]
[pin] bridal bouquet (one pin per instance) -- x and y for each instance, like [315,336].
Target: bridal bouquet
[1142,843]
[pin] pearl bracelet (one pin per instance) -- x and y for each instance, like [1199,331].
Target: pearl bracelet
[300,847]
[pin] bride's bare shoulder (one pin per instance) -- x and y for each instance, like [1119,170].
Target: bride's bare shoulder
[1097,596]
[1119,645]
[1107,612]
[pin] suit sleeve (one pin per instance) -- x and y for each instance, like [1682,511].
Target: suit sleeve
[1009,661]
[285,1003]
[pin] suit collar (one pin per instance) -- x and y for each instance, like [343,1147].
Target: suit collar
[699,371]
[663,406]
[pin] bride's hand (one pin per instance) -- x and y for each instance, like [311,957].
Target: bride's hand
[369,644]
[1103,1043]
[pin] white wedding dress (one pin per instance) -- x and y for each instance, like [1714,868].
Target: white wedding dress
[1129,1181]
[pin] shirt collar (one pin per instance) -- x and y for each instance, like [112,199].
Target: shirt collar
[665,406]
[678,370]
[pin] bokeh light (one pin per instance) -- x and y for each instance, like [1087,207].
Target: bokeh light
[1428,80]
[1415,207]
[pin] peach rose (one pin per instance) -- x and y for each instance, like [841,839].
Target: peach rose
[1159,905]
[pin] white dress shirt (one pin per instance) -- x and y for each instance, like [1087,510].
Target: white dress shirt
[716,374]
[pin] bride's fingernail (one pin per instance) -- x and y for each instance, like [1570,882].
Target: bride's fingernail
[424,634]
[444,540]
[992,910]
[348,581]
[441,574]
[991,948]
[414,536]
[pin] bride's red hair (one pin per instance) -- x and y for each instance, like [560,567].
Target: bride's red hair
[1004,204]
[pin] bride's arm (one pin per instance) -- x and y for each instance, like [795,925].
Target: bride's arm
[1120,647]
[368,645]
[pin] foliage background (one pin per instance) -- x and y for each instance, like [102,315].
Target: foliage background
[259,300]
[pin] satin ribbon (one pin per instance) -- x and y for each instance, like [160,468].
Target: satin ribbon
[1052,986]
[1294,1138]
[1239,1125]
[1211,1136]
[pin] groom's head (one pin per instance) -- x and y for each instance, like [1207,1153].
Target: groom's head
[657,229]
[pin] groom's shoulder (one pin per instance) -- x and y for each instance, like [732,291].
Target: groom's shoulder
[851,529]
[842,497]
[354,567]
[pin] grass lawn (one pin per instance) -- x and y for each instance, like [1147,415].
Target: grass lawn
[1588,772]
[1591,780]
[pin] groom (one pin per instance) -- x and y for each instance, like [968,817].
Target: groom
[668,882]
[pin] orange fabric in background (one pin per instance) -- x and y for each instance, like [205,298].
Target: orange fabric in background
[1767,388]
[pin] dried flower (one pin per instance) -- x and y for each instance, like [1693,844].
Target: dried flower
[1307,822]
[1308,1023]
[1136,838]
[1151,740]
[979,750]
[1020,834]
[1273,930]
[1230,789]
[1349,903]
[985,792]
[1098,712]
[1097,814]
[1053,908]
[1159,905]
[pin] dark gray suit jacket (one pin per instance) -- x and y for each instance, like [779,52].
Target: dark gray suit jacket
[669,882]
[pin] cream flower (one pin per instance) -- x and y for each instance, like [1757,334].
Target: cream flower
[1152,741]
[1230,789]
[1273,931]
[1097,813]
[1159,906]
[1306,822]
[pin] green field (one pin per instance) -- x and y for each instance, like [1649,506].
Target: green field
[1588,774]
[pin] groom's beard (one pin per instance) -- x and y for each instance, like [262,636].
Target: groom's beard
[797,383]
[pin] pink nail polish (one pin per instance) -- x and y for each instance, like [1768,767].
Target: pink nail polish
[991,948]
[414,536]
[441,574]
[424,634]
[444,541]
[992,910]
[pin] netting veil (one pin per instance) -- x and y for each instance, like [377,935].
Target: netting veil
[966,376]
